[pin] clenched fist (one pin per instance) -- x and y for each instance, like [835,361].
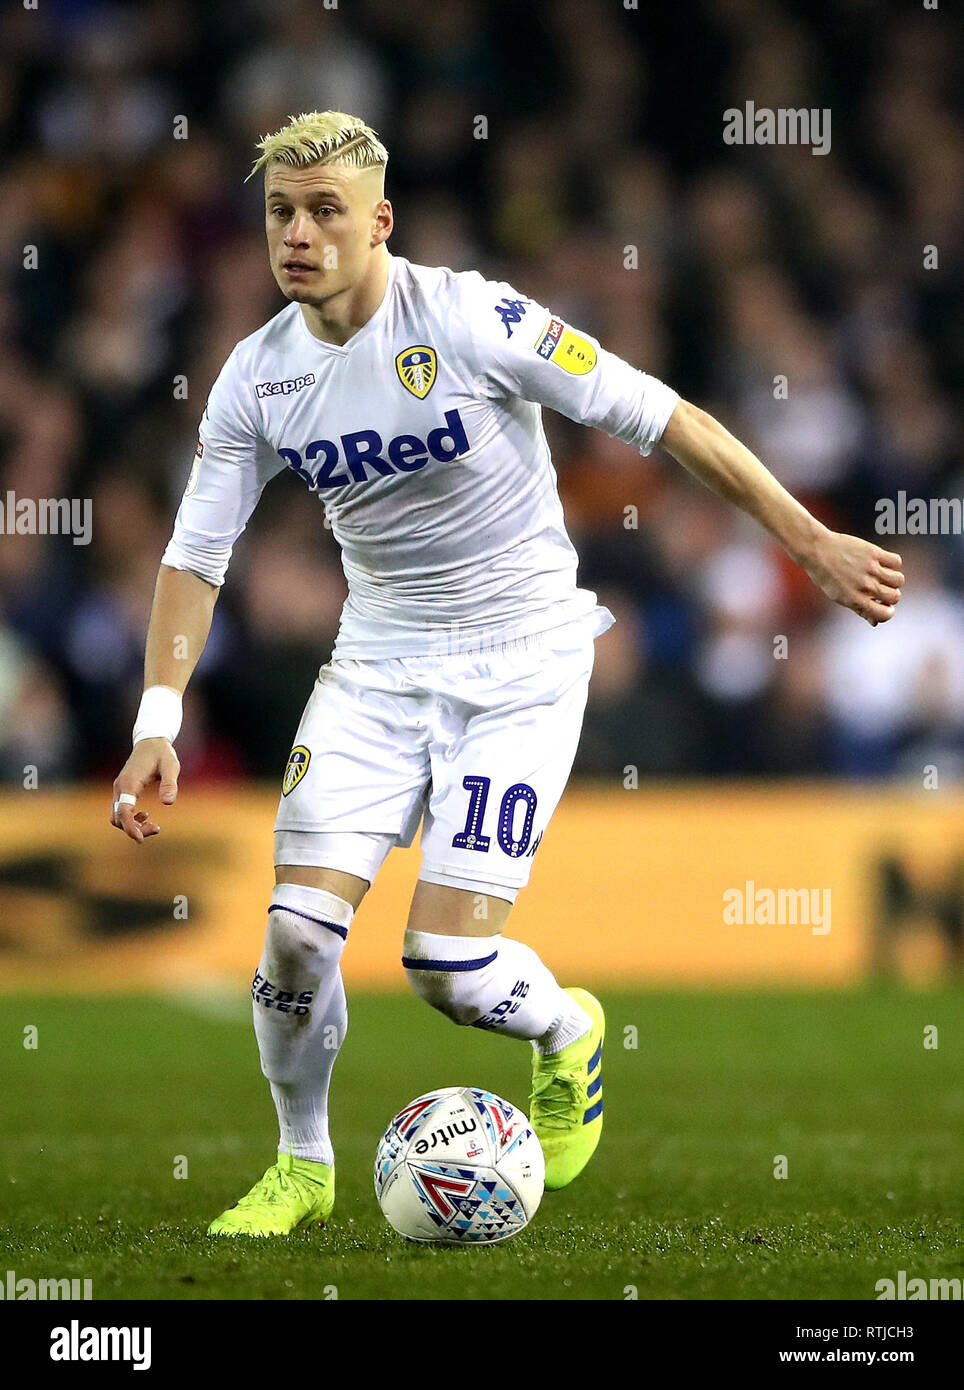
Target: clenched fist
[856,574]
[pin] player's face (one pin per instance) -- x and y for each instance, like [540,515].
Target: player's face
[323,225]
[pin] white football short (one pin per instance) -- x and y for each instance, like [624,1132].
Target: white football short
[479,746]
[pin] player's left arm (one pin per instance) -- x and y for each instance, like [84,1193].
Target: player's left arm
[515,346]
[853,572]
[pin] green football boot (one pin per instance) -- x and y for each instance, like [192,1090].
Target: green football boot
[294,1193]
[565,1107]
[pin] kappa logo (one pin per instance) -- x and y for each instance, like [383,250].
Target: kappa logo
[285,388]
[511,312]
[296,768]
[417,368]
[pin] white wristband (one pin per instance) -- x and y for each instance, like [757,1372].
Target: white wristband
[159,715]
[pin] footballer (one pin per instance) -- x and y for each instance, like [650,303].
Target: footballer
[408,398]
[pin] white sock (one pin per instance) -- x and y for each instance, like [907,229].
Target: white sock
[494,983]
[300,1012]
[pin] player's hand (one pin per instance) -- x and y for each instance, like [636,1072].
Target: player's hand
[152,760]
[857,574]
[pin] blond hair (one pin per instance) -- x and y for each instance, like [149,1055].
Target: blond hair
[322,137]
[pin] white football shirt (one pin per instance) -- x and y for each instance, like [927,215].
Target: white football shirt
[423,438]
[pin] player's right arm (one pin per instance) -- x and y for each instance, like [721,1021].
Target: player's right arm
[180,622]
[232,465]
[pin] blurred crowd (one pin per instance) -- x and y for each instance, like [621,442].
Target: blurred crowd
[790,294]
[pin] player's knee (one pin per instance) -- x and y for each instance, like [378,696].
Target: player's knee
[285,944]
[295,942]
[441,989]
[450,990]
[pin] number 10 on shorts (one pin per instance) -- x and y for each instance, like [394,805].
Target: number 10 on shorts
[472,838]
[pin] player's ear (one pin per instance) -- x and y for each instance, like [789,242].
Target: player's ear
[383,222]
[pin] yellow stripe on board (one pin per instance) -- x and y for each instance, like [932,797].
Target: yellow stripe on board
[664,885]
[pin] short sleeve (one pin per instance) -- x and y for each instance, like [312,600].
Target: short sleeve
[517,347]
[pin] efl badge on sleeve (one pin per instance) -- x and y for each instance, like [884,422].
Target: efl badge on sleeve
[195,474]
[570,351]
[416,368]
[296,769]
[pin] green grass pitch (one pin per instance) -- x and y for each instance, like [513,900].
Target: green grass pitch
[680,1201]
